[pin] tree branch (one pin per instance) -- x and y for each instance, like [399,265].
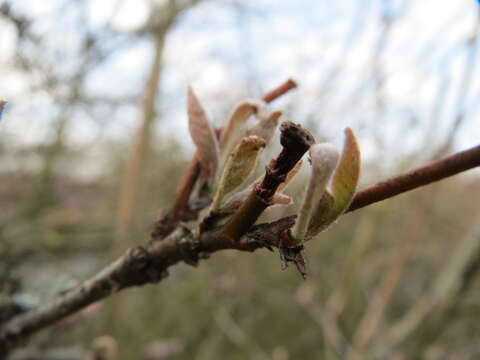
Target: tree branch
[138,266]
[432,172]
[279,91]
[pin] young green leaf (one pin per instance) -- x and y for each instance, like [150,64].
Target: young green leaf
[342,187]
[239,166]
[237,118]
[345,180]
[265,128]
[202,135]
[324,158]
[321,217]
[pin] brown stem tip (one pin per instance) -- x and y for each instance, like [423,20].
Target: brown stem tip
[295,141]
[279,91]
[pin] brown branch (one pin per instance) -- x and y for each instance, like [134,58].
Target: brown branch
[138,266]
[279,91]
[435,171]
[180,209]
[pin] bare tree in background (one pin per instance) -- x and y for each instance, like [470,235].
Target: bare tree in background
[66,88]
[162,18]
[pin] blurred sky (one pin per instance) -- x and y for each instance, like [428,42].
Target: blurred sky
[228,50]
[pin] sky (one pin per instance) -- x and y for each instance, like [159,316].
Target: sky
[229,52]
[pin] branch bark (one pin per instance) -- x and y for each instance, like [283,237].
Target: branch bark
[432,172]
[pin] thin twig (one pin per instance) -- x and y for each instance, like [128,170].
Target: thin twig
[432,172]
[279,91]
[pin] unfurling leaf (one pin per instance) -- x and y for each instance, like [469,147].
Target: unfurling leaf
[2,107]
[321,215]
[324,158]
[235,201]
[202,135]
[341,188]
[265,128]
[345,180]
[238,117]
[239,166]
[282,199]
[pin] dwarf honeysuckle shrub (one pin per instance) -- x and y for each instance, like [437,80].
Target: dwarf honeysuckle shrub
[229,156]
